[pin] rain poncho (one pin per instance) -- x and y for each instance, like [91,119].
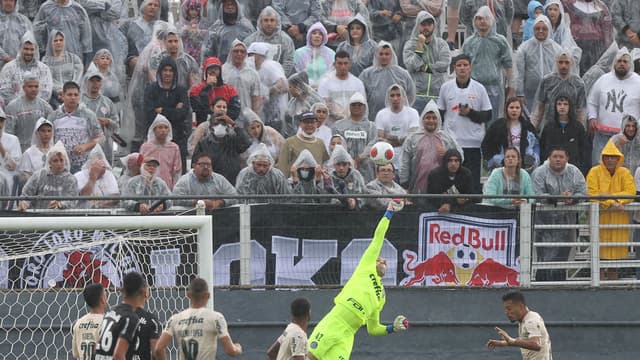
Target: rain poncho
[189,184]
[111,80]
[591,29]
[22,115]
[14,72]
[628,145]
[502,11]
[532,7]
[104,108]
[127,163]
[194,29]
[534,60]
[601,181]
[294,145]
[9,162]
[430,66]
[306,179]
[13,26]
[625,13]
[268,136]
[340,12]
[71,19]
[245,79]
[352,183]
[275,82]
[44,183]
[167,153]
[138,32]
[282,47]
[378,78]
[562,34]
[298,12]
[146,184]
[361,54]
[223,33]
[360,136]
[29,8]
[420,152]
[187,67]
[106,185]
[315,61]
[381,25]
[75,128]
[251,183]
[376,187]
[64,66]
[299,83]
[33,159]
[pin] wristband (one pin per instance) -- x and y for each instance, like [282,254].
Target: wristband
[388,214]
[389,329]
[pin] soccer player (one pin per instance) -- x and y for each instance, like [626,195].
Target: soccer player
[85,332]
[533,338]
[148,333]
[119,328]
[292,344]
[360,302]
[197,329]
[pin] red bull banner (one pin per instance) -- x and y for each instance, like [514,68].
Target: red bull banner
[462,250]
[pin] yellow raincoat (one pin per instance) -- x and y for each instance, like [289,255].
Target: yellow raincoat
[601,182]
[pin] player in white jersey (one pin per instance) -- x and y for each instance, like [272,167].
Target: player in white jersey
[85,332]
[292,344]
[197,329]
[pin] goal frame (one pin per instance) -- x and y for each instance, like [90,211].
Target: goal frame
[202,223]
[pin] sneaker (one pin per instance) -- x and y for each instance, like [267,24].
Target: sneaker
[452,45]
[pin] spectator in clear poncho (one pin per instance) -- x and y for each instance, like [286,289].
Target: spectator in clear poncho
[139,31]
[261,134]
[274,82]
[70,18]
[24,111]
[491,60]
[316,59]
[131,164]
[534,60]
[13,26]
[561,31]
[321,110]
[148,183]
[297,16]
[106,112]
[625,14]
[383,73]
[54,179]
[230,25]
[281,45]
[111,84]
[237,73]
[502,12]
[29,8]
[10,154]
[307,178]
[33,159]
[160,146]
[343,178]
[386,23]
[304,139]
[410,9]
[336,14]
[383,184]
[64,65]
[337,87]
[15,71]
[358,44]
[201,180]
[261,177]
[193,28]
[302,97]
[187,66]
[96,179]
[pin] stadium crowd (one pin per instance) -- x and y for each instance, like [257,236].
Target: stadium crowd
[289,96]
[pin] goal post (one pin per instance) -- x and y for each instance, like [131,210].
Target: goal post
[45,262]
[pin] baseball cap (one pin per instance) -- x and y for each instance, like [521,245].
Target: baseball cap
[307,117]
[357,98]
[258,48]
[151,159]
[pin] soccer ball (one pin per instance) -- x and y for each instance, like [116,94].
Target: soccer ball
[381,153]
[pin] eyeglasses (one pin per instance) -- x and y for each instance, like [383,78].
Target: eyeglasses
[386,170]
[204,164]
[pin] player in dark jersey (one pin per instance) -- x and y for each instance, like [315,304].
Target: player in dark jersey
[119,328]
[148,333]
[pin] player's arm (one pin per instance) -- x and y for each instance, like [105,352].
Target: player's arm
[272,353]
[120,352]
[374,328]
[532,343]
[75,342]
[159,350]
[231,348]
[373,250]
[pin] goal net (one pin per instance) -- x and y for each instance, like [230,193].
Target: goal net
[46,261]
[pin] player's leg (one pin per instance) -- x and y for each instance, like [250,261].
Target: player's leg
[329,333]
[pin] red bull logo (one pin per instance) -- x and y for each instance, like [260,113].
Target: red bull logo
[467,235]
[491,272]
[438,269]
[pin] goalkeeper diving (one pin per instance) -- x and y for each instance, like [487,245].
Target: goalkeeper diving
[359,302]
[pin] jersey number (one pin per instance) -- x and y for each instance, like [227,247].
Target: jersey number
[190,349]
[106,337]
[88,350]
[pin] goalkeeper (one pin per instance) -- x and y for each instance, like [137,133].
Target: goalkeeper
[360,302]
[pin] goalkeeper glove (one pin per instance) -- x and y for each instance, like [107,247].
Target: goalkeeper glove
[400,324]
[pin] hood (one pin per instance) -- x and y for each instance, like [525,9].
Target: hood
[359,19]
[235,43]
[34,136]
[269,11]
[319,105]
[167,61]
[485,12]
[160,119]
[571,60]
[58,148]
[531,8]
[128,161]
[52,34]
[92,71]
[387,99]
[450,153]
[340,154]
[314,27]
[623,52]
[545,20]
[626,119]
[209,62]
[103,52]
[261,152]
[560,7]
[186,6]
[611,149]
[96,154]
[15,9]
[144,3]
[28,37]
[422,16]
[432,107]
[383,44]
[238,16]
[305,159]
[358,97]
